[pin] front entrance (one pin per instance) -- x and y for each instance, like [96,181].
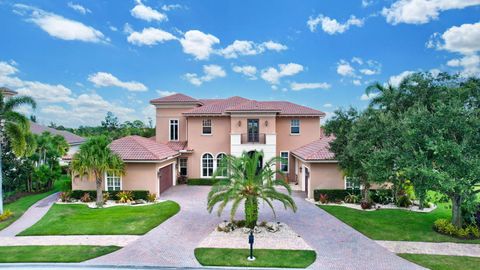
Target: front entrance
[165,179]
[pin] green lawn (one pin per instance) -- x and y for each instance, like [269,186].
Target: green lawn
[264,257]
[440,262]
[21,205]
[26,254]
[77,219]
[399,225]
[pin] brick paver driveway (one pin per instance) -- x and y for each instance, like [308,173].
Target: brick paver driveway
[172,243]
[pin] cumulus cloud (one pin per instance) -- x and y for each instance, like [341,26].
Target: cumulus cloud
[397,79]
[302,86]
[143,12]
[328,105]
[79,8]
[171,7]
[332,26]
[246,47]
[422,11]
[104,79]
[210,72]
[198,44]
[165,93]
[470,64]
[357,68]
[58,26]
[149,36]
[248,71]
[345,69]
[273,75]
[368,97]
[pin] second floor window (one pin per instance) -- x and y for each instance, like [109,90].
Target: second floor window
[173,131]
[207,127]
[295,126]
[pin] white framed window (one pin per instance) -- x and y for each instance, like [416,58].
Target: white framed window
[207,165]
[295,126]
[206,127]
[113,182]
[351,182]
[182,163]
[221,165]
[284,161]
[173,130]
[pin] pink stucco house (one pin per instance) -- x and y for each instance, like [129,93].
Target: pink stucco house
[193,134]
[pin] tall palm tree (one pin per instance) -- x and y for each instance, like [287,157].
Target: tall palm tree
[250,183]
[15,128]
[95,159]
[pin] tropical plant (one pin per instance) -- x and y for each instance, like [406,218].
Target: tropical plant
[352,198]
[151,197]
[249,183]
[323,198]
[125,196]
[65,196]
[15,128]
[86,197]
[95,159]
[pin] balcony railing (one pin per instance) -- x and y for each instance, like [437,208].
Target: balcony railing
[257,138]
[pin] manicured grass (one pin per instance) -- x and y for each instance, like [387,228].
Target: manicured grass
[264,257]
[398,225]
[441,262]
[21,205]
[76,219]
[26,254]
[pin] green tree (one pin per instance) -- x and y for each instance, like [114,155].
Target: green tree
[249,183]
[95,159]
[15,128]
[111,122]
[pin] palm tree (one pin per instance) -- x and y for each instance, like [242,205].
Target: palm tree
[250,183]
[95,158]
[15,128]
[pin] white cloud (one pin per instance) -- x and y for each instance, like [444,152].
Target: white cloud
[369,96]
[79,8]
[165,93]
[301,86]
[198,44]
[345,69]
[397,79]
[273,75]
[150,36]
[249,71]
[246,47]
[60,27]
[171,7]
[210,72]
[332,26]
[469,63]
[113,28]
[367,71]
[357,69]
[328,105]
[366,3]
[140,11]
[357,82]
[422,11]
[104,79]
[127,28]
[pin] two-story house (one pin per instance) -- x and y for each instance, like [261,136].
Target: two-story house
[192,136]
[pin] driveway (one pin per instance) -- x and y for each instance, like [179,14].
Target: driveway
[338,246]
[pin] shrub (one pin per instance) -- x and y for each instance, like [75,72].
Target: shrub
[323,198]
[125,196]
[352,198]
[6,214]
[86,197]
[334,194]
[106,197]
[151,197]
[366,205]
[137,194]
[67,186]
[382,196]
[201,181]
[78,194]
[444,226]
[404,201]
[65,196]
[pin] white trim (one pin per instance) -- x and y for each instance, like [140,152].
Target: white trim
[201,165]
[211,127]
[170,130]
[299,129]
[106,181]
[315,161]
[180,166]
[215,164]
[288,161]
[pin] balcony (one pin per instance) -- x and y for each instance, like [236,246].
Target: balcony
[253,138]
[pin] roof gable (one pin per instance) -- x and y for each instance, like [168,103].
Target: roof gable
[140,148]
[316,150]
[175,98]
[69,137]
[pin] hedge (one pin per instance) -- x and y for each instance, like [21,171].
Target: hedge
[137,194]
[201,181]
[340,194]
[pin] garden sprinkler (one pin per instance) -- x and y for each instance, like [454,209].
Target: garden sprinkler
[251,239]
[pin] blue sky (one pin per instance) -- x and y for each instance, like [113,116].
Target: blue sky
[82,58]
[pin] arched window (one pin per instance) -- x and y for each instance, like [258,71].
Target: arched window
[207,165]
[221,165]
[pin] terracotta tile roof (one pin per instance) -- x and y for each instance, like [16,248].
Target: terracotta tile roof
[8,92]
[316,150]
[69,137]
[289,108]
[217,107]
[178,145]
[175,98]
[253,105]
[140,148]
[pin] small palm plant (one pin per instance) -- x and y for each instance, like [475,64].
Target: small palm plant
[249,183]
[95,159]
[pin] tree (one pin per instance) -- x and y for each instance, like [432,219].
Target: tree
[95,159]
[247,182]
[15,128]
[111,122]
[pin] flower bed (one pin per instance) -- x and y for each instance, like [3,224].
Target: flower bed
[413,208]
[111,203]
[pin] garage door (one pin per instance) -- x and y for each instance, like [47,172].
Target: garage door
[165,178]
